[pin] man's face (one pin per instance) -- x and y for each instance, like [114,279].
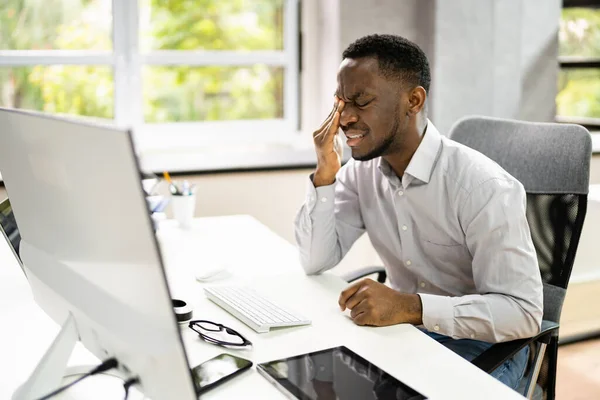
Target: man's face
[372,118]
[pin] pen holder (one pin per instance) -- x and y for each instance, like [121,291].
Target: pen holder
[183,207]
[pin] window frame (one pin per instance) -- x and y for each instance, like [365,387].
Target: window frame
[570,62]
[127,61]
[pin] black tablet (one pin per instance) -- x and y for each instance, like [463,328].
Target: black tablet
[336,374]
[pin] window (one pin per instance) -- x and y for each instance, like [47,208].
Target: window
[56,58]
[578,98]
[179,72]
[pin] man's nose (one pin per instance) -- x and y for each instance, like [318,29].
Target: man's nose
[348,116]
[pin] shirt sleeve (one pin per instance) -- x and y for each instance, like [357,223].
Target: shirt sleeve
[509,303]
[329,222]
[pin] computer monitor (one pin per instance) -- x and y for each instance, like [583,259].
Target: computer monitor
[89,251]
[9,228]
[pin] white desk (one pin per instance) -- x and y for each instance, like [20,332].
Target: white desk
[254,255]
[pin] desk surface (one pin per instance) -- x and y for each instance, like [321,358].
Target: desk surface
[253,255]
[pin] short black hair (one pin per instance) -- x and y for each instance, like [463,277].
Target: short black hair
[397,57]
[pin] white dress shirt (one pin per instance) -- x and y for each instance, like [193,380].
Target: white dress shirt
[453,230]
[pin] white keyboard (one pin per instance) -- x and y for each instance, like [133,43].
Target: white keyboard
[252,308]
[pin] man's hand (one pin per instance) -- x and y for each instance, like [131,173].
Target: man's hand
[329,147]
[373,303]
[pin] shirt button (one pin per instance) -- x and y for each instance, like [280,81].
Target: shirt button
[323,199]
[404,227]
[436,328]
[400,193]
[422,284]
[408,262]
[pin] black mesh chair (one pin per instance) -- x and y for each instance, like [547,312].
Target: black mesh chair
[552,161]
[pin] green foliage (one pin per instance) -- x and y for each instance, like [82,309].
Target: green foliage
[580,32]
[579,89]
[187,93]
[214,25]
[179,93]
[579,93]
[64,25]
[66,89]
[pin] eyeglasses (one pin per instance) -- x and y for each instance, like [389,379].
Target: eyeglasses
[210,332]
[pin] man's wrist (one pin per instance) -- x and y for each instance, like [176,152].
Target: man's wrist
[323,179]
[411,309]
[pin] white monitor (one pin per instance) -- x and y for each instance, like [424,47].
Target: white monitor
[89,251]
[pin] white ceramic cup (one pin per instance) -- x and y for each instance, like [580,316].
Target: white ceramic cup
[183,208]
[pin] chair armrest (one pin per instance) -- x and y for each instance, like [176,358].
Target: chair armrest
[361,273]
[496,355]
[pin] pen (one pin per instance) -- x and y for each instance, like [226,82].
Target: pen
[172,187]
[185,188]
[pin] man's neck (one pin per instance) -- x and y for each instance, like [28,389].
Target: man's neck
[399,161]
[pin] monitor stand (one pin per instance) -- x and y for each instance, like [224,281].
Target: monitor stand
[49,373]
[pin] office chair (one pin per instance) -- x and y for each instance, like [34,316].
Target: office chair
[552,161]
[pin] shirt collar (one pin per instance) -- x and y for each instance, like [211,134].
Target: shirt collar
[422,162]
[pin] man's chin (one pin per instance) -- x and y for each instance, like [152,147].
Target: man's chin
[361,155]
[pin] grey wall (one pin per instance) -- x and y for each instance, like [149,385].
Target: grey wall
[490,57]
[539,65]
[360,18]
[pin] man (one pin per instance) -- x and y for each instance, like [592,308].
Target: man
[448,223]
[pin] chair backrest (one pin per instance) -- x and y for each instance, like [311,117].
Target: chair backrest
[552,161]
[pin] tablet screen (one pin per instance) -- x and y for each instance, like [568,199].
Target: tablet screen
[335,374]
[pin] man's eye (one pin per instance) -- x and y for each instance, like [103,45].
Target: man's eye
[361,105]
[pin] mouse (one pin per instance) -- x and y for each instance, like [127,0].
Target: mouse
[211,273]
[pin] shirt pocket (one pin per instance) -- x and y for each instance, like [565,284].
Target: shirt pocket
[439,240]
[444,251]
[450,262]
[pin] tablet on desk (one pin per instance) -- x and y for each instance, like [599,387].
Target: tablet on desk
[336,374]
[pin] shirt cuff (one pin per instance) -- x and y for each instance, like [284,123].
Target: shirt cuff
[438,314]
[321,198]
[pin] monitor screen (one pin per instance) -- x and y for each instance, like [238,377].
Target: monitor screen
[8,226]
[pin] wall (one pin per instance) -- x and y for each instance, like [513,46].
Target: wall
[274,199]
[360,18]
[494,58]
[595,169]
[487,57]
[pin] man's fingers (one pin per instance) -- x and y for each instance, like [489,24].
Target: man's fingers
[353,290]
[362,313]
[335,123]
[362,318]
[325,134]
[358,308]
[357,298]
[332,129]
[347,293]
[328,119]
[320,135]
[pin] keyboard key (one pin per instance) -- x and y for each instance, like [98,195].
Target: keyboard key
[253,309]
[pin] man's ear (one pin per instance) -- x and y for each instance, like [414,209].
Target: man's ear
[416,100]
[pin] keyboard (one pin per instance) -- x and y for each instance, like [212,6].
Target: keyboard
[253,309]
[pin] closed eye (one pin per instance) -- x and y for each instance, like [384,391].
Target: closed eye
[362,105]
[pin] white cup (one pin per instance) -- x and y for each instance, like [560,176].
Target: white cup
[183,207]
